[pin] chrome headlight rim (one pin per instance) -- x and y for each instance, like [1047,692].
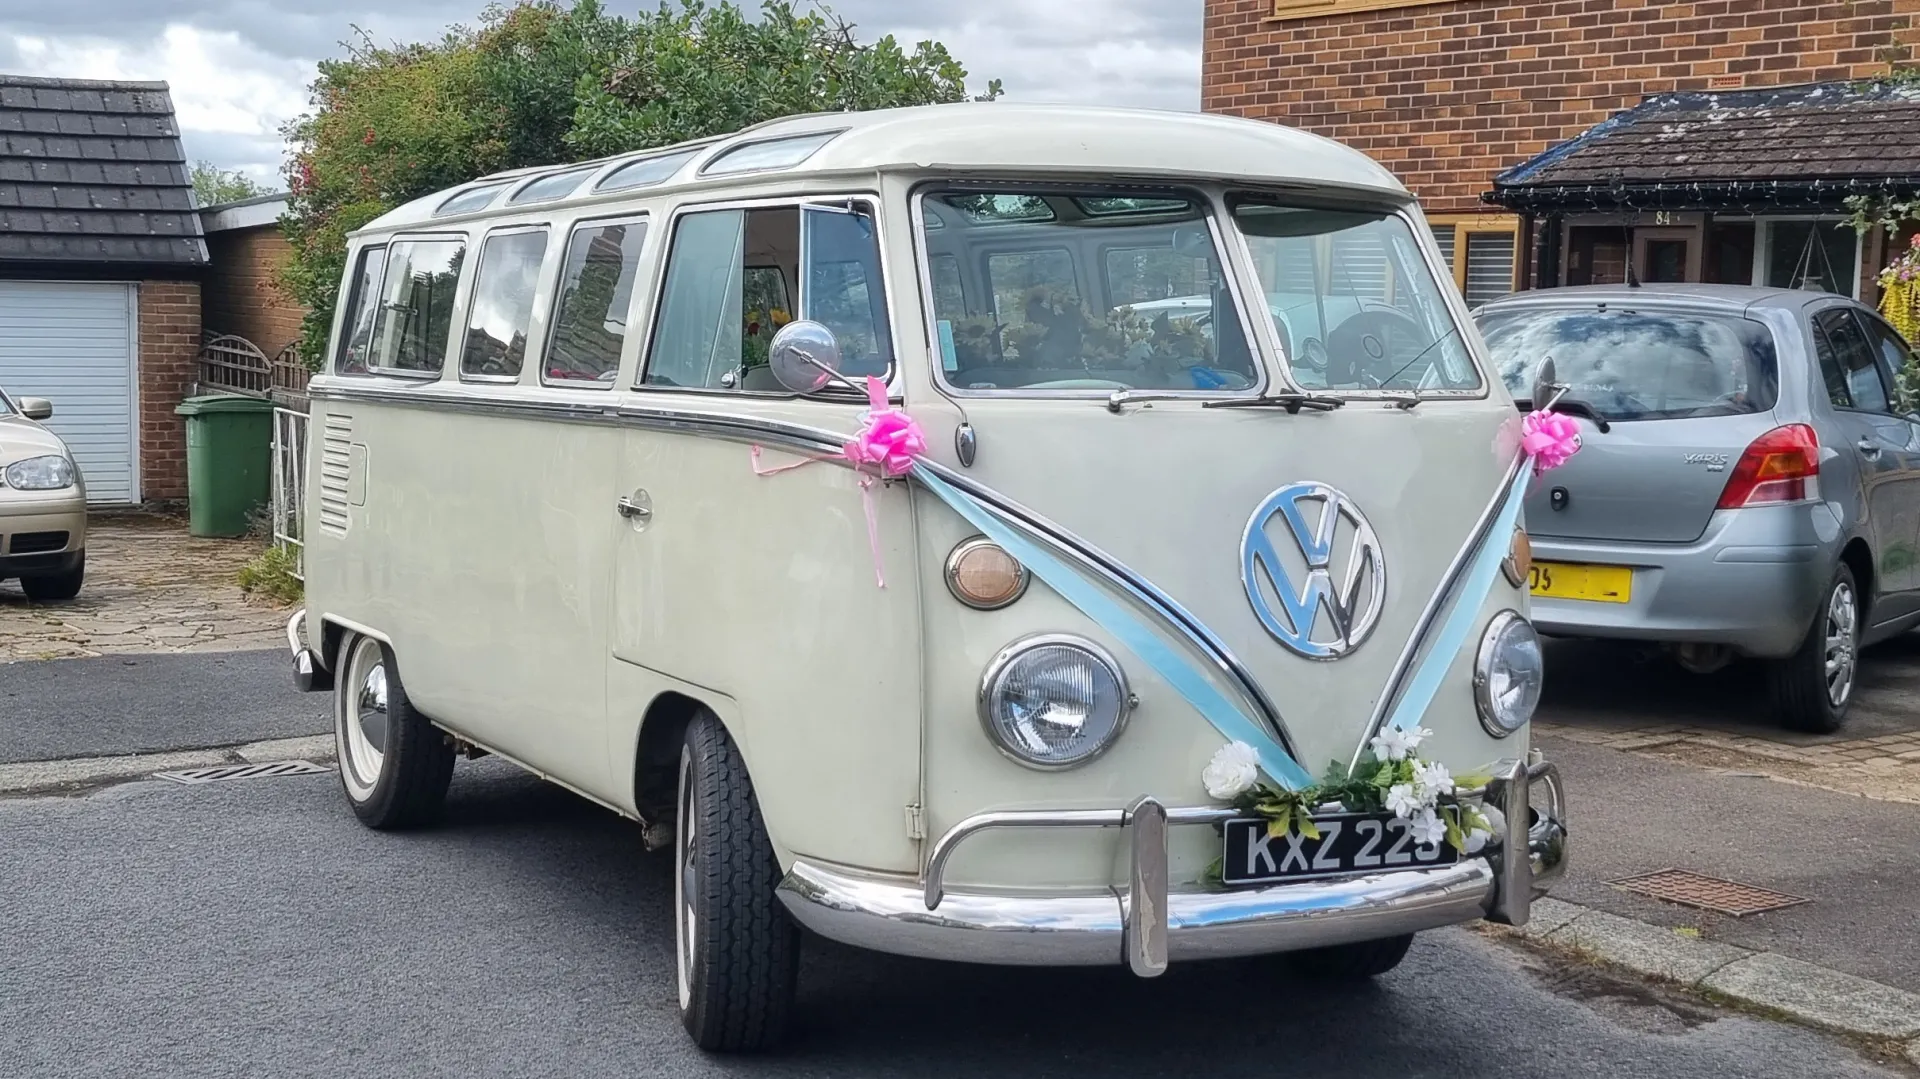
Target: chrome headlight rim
[1483,702]
[62,466]
[952,575]
[1013,651]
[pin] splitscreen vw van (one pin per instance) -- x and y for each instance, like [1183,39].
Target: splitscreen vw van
[1181,615]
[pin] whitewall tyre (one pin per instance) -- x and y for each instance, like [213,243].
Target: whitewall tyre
[736,952]
[394,763]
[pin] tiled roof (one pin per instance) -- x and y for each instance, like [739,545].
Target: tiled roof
[93,172]
[1843,134]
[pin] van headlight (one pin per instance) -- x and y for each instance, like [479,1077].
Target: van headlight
[1508,674]
[49,473]
[1054,701]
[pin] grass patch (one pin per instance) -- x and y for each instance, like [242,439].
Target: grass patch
[271,576]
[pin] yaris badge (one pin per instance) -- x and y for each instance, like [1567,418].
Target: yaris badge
[1294,594]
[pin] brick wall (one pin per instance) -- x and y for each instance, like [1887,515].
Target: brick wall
[1447,95]
[169,345]
[240,295]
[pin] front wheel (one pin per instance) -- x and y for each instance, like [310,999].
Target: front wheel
[1812,688]
[56,587]
[737,953]
[394,764]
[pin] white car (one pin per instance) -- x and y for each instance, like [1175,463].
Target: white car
[43,504]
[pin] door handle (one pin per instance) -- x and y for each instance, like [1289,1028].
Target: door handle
[1868,447]
[635,506]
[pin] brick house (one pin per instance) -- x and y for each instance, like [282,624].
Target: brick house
[240,294]
[101,258]
[1525,127]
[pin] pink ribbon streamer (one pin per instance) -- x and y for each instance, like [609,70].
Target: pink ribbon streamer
[1548,437]
[883,448]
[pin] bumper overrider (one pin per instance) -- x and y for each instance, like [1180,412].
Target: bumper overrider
[308,675]
[1146,924]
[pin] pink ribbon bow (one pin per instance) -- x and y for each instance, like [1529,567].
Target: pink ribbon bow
[1549,438]
[883,448]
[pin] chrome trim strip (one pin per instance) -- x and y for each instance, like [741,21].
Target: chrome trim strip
[814,440]
[1396,681]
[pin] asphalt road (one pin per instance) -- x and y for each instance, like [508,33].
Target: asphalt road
[255,929]
[148,703]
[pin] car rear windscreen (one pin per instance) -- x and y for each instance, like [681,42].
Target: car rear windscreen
[1638,365]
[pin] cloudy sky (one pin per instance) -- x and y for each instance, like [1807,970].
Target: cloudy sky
[238,68]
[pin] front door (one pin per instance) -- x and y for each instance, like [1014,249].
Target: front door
[1666,255]
[1887,446]
[748,576]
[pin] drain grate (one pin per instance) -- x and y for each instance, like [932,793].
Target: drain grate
[1708,893]
[221,772]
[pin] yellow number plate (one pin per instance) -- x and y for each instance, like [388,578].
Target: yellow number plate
[1573,580]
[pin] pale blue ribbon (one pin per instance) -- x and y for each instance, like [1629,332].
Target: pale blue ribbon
[1460,621]
[1232,723]
[1229,719]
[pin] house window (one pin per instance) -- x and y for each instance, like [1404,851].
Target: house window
[1490,245]
[1822,256]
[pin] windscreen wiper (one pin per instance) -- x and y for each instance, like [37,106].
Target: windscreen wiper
[1571,406]
[1292,402]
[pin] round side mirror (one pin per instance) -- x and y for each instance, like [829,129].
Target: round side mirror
[1544,386]
[804,356]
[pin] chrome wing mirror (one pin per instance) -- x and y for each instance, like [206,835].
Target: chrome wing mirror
[805,357]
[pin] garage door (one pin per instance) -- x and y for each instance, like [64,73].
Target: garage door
[72,343]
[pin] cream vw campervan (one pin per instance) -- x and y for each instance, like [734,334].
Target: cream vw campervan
[1107,630]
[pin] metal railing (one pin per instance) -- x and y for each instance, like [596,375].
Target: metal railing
[290,483]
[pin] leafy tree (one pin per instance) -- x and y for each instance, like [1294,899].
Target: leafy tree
[537,83]
[213,185]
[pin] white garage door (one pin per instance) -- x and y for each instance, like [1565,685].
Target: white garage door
[72,343]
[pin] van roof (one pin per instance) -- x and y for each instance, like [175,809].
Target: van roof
[997,137]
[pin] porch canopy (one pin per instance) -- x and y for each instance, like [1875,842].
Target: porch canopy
[1789,149]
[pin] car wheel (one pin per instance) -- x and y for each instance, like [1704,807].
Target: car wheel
[1352,962]
[1812,688]
[55,587]
[394,763]
[737,953]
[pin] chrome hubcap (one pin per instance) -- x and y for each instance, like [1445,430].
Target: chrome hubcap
[685,922]
[363,727]
[1843,619]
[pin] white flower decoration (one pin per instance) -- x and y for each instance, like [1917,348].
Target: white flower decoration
[1234,770]
[1477,839]
[1394,744]
[1402,802]
[1432,780]
[1427,828]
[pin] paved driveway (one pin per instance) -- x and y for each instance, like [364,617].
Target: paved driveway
[150,588]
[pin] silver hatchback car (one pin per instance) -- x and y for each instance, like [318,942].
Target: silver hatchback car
[1749,482]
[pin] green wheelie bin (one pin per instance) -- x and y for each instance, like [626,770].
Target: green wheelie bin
[229,461]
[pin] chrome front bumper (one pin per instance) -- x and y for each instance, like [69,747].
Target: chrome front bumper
[1146,925]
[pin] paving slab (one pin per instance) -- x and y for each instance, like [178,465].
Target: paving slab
[1653,950]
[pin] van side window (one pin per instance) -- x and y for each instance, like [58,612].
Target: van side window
[728,278]
[362,304]
[596,292]
[415,318]
[502,307]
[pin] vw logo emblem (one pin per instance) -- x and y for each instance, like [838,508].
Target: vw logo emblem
[1291,592]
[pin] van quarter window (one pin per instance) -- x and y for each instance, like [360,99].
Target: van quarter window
[502,307]
[596,291]
[729,275]
[410,330]
[1081,291]
[362,304]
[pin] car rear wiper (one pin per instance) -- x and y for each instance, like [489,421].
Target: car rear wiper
[1571,406]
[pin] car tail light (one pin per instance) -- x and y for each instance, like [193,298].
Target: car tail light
[1782,465]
